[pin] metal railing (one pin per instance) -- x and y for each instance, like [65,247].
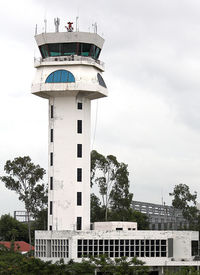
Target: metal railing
[70,58]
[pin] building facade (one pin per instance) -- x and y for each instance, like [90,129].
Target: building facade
[161,217]
[69,76]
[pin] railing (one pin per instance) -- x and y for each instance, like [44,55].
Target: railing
[70,58]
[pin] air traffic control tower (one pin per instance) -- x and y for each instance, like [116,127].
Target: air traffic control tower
[69,75]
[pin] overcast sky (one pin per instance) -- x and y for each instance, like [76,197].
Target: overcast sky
[151,118]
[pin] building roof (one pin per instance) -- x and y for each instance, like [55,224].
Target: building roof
[18,246]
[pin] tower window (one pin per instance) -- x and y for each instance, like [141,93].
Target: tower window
[51,208]
[79,126]
[79,105]
[101,81]
[79,150]
[51,111]
[79,223]
[51,183]
[51,135]
[51,159]
[60,76]
[79,174]
[79,198]
[50,227]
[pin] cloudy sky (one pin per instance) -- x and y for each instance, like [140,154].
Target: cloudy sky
[151,119]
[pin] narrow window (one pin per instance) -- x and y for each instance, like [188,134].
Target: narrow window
[79,150]
[80,105]
[51,134]
[51,208]
[79,174]
[51,183]
[79,223]
[79,198]
[51,159]
[51,111]
[79,126]
[50,227]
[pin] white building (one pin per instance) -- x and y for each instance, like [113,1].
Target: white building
[69,75]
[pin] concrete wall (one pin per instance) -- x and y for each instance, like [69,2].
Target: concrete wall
[181,242]
[115,226]
[65,162]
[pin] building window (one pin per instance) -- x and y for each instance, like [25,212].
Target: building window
[79,198]
[51,159]
[51,183]
[79,174]
[119,248]
[79,126]
[60,76]
[51,135]
[51,208]
[101,81]
[195,248]
[79,105]
[51,111]
[79,223]
[50,227]
[79,150]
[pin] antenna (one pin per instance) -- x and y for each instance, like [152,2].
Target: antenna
[95,27]
[57,23]
[45,25]
[36,29]
[77,23]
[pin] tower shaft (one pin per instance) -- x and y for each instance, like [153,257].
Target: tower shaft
[69,76]
[69,163]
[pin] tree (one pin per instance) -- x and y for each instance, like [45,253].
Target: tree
[12,230]
[186,202]
[123,266]
[23,177]
[112,180]
[97,212]
[118,266]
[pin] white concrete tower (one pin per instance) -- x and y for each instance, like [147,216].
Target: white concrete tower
[69,76]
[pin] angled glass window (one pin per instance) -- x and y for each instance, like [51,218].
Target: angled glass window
[101,81]
[60,76]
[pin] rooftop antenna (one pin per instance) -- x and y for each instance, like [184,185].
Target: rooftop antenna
[45,25]
[95,27]
[57,23]
[36,29]
[77,23]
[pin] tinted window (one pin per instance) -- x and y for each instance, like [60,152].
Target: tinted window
[60,76]
[79,174]
[101,81]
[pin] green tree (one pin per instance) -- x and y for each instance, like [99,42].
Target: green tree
[103,263]
[183,271]
[123,266]
[184,200]
[23,177]
[12,230]
[111,177]
[97,212]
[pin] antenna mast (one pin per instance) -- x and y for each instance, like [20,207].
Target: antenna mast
[77,23]
[36,29]
[57,23]
[95,27]
[45,25]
